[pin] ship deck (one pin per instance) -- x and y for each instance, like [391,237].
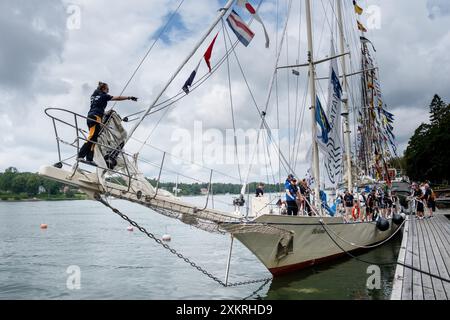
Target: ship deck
[425,246]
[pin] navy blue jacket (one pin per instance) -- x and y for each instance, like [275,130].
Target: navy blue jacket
[99,100]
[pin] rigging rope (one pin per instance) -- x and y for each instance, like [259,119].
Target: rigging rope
[231,104]
[149,50]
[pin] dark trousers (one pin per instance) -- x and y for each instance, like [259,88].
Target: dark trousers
[292,208]
[87,150]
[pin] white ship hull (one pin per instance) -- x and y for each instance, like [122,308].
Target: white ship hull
[310,245]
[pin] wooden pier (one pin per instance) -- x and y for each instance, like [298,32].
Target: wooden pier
[425,246]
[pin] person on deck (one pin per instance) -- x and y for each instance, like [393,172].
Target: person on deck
[371,205]
[306,196]
[260,190]
[99,101]
[291,195]
[348,202]
[362,204]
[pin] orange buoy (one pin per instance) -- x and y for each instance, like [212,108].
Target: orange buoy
[44,226]
[356,213]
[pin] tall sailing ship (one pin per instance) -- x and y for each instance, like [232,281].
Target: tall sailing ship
[282,243]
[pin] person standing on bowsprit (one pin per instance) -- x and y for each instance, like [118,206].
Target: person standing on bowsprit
[99,101]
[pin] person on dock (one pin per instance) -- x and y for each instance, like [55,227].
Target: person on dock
[388,204]
[430,199]
[395,202]
[419,198]
[99,101]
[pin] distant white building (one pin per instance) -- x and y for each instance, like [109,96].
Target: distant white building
[176,190]
[41,189]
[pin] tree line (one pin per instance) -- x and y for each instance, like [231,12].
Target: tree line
[427,156]
[20,185]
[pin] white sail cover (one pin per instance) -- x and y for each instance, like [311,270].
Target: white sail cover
[333,150]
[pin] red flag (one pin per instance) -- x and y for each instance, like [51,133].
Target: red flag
[208,52]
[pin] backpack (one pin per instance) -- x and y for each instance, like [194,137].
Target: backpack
[433,195]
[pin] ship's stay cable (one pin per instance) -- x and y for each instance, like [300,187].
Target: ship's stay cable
[149,50]
[297,91]
[230,91]
[277,101]
[288,92]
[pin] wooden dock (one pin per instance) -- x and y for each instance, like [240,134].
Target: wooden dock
[425,246]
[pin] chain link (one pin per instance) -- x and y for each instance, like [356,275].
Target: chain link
[173,251]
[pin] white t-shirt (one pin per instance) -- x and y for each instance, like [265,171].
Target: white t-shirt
[361,200]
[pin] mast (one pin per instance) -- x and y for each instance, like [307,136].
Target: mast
[346,112]
[312,86]
[221,13]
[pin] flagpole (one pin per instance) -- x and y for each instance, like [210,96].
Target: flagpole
[312,86]
[222,12]
[346,112]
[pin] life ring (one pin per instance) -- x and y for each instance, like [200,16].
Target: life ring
[353,213]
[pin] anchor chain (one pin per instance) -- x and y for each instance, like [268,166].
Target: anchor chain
[173,251]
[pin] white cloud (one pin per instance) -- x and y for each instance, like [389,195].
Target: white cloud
[45,64]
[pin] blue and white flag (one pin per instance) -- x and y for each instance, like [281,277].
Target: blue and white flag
[322,121]
[333,150]
[240,28]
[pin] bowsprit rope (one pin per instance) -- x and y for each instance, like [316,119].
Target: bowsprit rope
[173,251]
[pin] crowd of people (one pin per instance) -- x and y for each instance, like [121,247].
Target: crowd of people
[298,198]
[367,206]
[422,199]
[364,205]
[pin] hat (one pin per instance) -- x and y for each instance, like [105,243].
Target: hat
[290,176]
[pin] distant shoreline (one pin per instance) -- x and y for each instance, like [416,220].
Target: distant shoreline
[43,200]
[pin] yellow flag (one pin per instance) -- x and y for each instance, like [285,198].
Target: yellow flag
[361,27]
[358,9]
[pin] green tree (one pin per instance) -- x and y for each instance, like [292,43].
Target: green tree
[427,156]
[437,109]
[19,183]
[33,183]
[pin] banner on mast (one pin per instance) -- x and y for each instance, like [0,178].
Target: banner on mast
[333,150]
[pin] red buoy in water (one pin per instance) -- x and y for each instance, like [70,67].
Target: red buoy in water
[44,226]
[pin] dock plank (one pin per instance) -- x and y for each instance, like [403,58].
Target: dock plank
[400,270]
[427,284]
[433,260]
[425,246]
[407,275]
[416,275]
[442,251]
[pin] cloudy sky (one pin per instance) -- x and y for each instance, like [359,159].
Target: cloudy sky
[53,54]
